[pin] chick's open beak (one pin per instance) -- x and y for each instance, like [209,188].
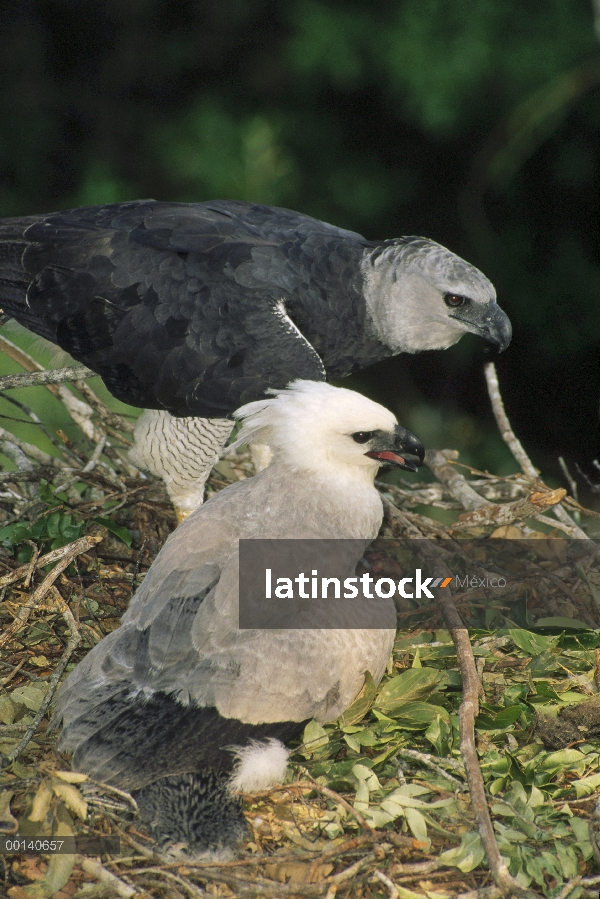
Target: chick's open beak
[402,449]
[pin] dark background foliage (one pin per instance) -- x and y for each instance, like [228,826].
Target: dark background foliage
[472,122]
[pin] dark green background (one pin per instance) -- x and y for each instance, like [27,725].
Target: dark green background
[474,122]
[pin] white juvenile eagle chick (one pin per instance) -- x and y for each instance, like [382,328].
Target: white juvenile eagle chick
[180,705]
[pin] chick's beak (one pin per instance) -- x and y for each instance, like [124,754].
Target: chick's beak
[402,449]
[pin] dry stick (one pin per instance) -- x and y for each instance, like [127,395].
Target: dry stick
[72,644]
[515,446]
[437,461]
[79,411]
[426,759]
[34,419]
[32,451]
[111,418]
[73,550]
[18,667]
[270,888]
[54,376]
[481,512]
[385,880]
[40,562]
[104,876]
[318,788]
[468,711]
[503,514]
[24,360]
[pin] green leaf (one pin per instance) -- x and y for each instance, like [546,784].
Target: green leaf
[440,734]
[30,696]
[586,785]
[419,715]
[116,529]
[53,524]
[313,738]
[361,705]
[14,533]
[467,856]
[417,824]
[567,859]
[532,644]
[8,710]
[410,686]
[559,621]
[563,760]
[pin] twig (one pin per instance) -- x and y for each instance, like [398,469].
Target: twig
[325,791]
[15,668]
[515,446]
[438,463]
[73,550]
[102,874]
[24,360]
[506,431]
[568,888]
[481,512]
[190,888]
[32,451]
[468,711]
[53,376]
[385,880]
[426,759]
[35,420]
[18,667]
[72,644]
[107,416]
[495,515]
[569,478]
[40,562]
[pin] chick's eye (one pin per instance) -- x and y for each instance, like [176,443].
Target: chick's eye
[454,300]
[362,436]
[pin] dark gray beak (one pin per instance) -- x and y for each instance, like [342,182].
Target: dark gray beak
[489,322]
[402,450]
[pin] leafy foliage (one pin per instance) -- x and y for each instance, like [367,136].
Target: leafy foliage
[541,835]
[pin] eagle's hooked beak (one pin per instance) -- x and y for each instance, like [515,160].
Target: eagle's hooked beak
[489,322]
[402,449]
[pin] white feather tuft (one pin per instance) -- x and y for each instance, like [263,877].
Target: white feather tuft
[259,766]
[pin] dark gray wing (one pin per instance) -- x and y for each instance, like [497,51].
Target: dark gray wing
[194,308]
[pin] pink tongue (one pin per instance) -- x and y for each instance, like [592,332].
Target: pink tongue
[390,457]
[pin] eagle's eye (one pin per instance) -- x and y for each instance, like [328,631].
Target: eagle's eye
[362,436]
[454,300]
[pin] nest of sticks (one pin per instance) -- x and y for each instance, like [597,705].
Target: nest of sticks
[78,531]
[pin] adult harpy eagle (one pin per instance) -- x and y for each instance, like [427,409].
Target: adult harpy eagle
[195,309]
[165,704]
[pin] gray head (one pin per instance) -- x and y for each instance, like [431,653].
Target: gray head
[423,297]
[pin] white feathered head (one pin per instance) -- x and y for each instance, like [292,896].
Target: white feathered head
[312,425]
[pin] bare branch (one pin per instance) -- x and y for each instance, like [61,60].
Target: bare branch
[32,451]
[469,709]
[54,376]
[107,416]
[438,463]
[506,431]
[493,515]
[72,644]
[73,550]
[515,446]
